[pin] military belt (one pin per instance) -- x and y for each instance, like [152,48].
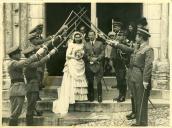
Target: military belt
[137,67]
[17,80]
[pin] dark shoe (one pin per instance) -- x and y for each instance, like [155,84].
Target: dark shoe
[121,99]
[39,98]
[127,116]
[132,116]
[115,99]
[91,99]
[99,99]
[29,121]
[135,125]
[38,113]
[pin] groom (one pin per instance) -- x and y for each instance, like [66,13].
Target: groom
[94,54]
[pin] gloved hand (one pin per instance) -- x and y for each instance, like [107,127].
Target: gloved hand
[63,28]
[42,51]
[145,84]
[101,35]
[113,42]
[52,52]
[94,59]
[56,40]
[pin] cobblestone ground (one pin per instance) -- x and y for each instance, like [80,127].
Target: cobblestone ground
[157,117]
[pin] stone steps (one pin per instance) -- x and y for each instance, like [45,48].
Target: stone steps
[56,81]
[86,106]
[80,112]
[51,119]
[51,92]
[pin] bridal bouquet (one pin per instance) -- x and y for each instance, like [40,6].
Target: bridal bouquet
[79,54]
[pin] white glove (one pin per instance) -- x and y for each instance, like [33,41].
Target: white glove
[115,42]
[145,84]
[41,51]
[91,62]
[53,51]
[64,27]
[102,36]
[112,42]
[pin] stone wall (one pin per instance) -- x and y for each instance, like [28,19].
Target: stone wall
[158,24]
[20,18]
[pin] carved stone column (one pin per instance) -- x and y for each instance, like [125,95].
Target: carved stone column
[93,14]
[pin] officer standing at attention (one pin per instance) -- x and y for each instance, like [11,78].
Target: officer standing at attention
[30,73]
[17,89]
[120,68]
[139,74]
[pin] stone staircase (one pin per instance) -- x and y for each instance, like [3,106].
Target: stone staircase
[80,112]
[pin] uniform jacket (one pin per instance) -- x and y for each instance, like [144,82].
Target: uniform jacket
[15,70]
[30,73]
[38,40]
[119,57]
[141,62]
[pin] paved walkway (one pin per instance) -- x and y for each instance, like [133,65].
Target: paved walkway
[158,117]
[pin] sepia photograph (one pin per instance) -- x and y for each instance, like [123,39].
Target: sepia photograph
[85,63]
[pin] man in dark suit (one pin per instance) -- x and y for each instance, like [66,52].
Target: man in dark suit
[94,54]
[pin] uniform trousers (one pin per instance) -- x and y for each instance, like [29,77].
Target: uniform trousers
[16,109]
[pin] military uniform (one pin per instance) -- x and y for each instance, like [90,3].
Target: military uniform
[119,63]
[33,83]
[139,72]
[36,41]
[94,70]
[17,90]
[108,64]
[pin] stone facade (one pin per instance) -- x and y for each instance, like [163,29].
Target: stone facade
[158,23]
[19,18]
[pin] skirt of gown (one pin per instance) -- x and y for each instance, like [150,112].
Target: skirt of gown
[73,88]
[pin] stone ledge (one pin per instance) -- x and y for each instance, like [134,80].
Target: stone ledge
[86,106]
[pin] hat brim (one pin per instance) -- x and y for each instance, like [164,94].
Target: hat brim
[14,50]
[143,32]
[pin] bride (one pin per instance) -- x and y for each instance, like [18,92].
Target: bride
[74,84]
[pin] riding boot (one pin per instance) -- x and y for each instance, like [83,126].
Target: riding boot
[29,120]
[13,122]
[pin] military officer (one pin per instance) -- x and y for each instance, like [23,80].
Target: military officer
[119,64]
[94,54]
[117,26]
[36,40]
[108,66]
[142,22]
[30,73]
[35,36]
[17,89]
[139,75]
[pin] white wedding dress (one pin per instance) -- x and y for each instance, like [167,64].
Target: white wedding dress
[74,84]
